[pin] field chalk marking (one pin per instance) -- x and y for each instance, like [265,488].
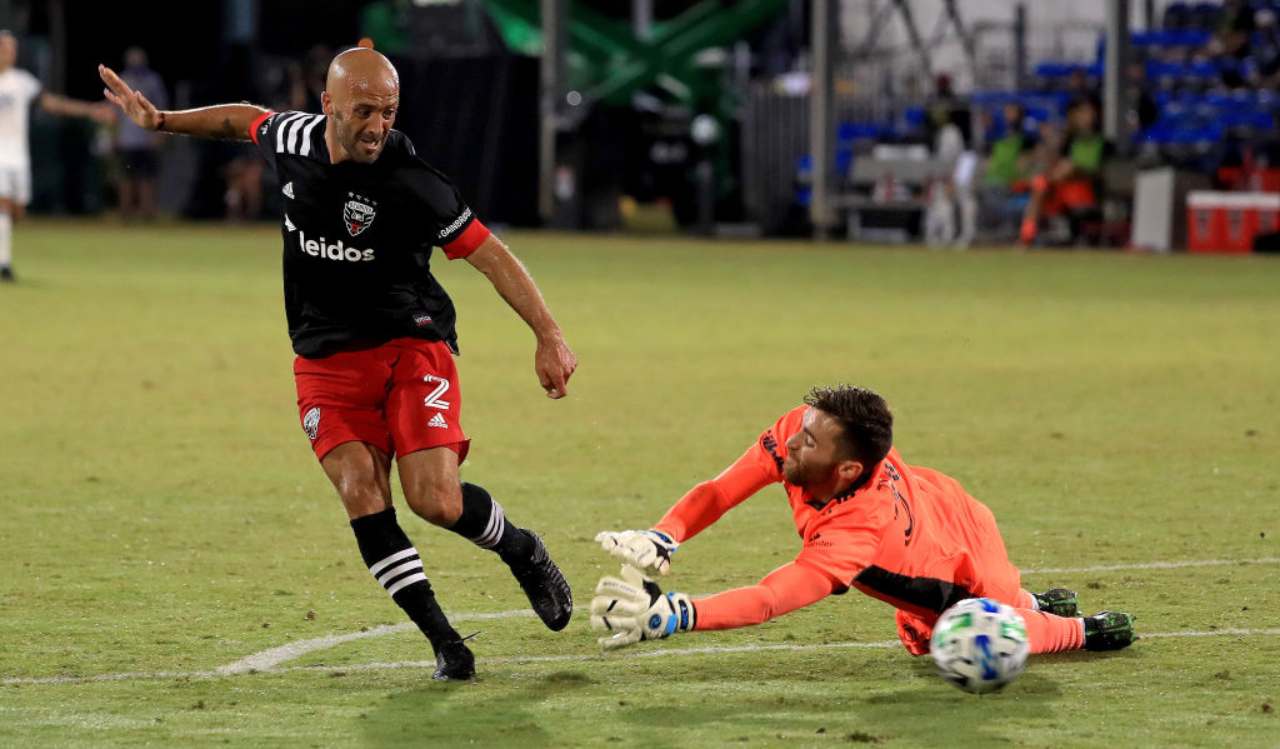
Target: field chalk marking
[273,658]
[571,658]
[269,659]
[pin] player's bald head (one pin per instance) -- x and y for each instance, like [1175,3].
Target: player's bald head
[361,71]
[361,97]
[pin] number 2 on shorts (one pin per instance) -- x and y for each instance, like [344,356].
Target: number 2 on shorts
[434,399]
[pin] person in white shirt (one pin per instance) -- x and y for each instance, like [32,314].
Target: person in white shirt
[18,89]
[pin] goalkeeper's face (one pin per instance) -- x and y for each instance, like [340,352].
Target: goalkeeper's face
[818,456]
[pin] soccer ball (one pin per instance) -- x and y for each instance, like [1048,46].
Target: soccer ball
[980,645]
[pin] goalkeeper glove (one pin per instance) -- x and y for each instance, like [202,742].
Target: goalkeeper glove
[648,551]
[633,609]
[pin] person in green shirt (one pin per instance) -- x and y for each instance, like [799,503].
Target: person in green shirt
[1072,185]
[1008,161]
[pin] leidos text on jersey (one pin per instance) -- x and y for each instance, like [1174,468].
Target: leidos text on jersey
[337,251]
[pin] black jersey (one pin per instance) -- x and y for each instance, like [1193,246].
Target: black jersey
[358,239]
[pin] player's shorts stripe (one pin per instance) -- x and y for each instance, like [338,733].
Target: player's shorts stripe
[385,563]
[306,135]
[410,580]
[282,126]
[399,569]
[923,592]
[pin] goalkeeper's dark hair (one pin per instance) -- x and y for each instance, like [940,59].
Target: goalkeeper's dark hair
[864,417]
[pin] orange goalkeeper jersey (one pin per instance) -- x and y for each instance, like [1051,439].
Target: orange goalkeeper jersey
[908,535]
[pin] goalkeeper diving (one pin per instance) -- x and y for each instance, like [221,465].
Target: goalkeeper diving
[907,535]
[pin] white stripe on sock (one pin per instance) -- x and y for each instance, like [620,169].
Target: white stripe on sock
[385,563]
[399,569]
[496,527]
[411,579]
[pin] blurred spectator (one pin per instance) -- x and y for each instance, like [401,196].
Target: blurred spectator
[18,89]
[244,188]
[951,198]
[1006,182]
[1236,25]
[1266,52]
[1070,188]
[1079,85]
[139,148]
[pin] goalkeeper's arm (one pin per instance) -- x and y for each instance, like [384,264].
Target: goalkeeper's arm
[632,609]
[650,551]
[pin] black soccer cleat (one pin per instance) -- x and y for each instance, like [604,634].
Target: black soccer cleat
[1059,602]
[549,593]
[6,274]
[454,662]
[1108,630]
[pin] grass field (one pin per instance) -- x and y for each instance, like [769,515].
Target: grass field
[163,517]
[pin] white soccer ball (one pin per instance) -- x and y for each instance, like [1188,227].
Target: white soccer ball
[980,645]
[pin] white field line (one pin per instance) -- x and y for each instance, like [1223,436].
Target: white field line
[273,658]
[573,658]
[1152,566]
[268,659]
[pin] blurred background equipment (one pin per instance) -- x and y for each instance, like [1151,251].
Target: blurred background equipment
[873,120]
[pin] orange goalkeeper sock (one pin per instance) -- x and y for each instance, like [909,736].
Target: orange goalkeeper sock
[1052,634]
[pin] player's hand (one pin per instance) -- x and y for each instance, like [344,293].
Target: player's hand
[648,551]
[632,608]
[554,362]
[134,105]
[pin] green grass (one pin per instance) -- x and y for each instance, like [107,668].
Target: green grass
[162,511]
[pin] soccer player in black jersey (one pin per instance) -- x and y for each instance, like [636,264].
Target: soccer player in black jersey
[374,331]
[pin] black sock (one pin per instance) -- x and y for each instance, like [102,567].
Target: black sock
[485,524]
[395,564]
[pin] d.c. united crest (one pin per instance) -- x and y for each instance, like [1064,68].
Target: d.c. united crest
[358,213]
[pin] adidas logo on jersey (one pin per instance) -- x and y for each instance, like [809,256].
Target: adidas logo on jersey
[438,422]
[288,190]
[337,251]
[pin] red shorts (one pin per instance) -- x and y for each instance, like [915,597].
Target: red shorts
[400,397]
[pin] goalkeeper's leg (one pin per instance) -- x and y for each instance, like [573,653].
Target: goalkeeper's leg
[1046,633]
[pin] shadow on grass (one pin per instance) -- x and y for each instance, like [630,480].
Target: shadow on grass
[451,714]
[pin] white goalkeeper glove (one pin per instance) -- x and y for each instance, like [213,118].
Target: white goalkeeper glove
[648,551]
[634,608]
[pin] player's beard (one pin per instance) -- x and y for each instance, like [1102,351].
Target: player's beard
[793,472]
[351,142]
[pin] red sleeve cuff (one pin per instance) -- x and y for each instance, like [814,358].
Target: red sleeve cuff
[466,243]
[257,122]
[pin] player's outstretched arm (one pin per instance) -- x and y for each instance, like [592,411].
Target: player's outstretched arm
[553,361]
[227,121]
[650,551]
[631,608]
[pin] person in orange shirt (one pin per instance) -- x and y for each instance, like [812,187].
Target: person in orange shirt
[905,534]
